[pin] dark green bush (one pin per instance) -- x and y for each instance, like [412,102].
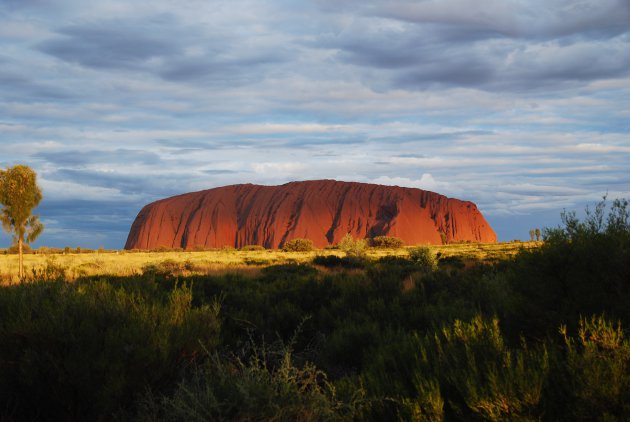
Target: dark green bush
[451,262]
[84,351]
[591,379]
[582,268]
[333,261]
[222,390]
[298,245]
[387,242]
[423,258]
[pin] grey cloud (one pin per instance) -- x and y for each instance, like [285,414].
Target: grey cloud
[535,19]
[493,66]
[166,48]
[17,87]
[124,183]
[151,184]
[81,158]
[442,44]
[237,70]
[109,46]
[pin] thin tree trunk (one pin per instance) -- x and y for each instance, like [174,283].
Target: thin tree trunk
[21,259]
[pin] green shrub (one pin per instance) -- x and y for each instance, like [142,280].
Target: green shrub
[52,271]
[452,262]
[298,245]
[332,261]
[591,380]
[351,247]
[83,351]
[167,268]
[387,242]
[423,258]
[223,390]
[582,268]
[478,375]
[283,271]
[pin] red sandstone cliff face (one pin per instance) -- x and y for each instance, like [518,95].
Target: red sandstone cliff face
[321,210]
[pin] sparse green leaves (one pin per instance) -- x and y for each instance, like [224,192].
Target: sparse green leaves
[352,247]
[298,245]
[423,258]
[19,195]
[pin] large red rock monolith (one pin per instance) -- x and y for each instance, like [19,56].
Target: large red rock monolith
[320,210]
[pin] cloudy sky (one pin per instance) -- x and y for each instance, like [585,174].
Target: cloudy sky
[522,106]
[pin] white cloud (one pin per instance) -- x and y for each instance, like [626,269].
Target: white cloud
[426,182]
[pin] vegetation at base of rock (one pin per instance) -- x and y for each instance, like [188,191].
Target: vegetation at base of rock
[541,336]
[298,245]
[386,242]
[353,247]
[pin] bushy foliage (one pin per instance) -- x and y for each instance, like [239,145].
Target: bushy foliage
[387,242]
[298,245]
[478,374]
[260,389]
[583,268]
[81,352]
[592,378]
[353,247]
[424,259]
[167,268]
[51,271]
[334,261]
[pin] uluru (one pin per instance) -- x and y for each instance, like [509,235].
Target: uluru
[321,210]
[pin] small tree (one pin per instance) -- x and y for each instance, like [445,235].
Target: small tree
[532,234]
[537,233]
[423,258]
[353,247]
[19,195]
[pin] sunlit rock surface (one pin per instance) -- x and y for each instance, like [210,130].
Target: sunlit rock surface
[321,210]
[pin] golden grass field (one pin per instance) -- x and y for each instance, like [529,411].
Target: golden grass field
[124,263]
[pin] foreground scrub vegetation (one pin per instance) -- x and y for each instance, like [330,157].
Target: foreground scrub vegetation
[542,336]
[75,264]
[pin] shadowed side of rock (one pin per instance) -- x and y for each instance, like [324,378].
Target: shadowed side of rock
[322,210]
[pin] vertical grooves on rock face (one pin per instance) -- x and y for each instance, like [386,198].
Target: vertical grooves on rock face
[330,234]
[187,227]
[320,210]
